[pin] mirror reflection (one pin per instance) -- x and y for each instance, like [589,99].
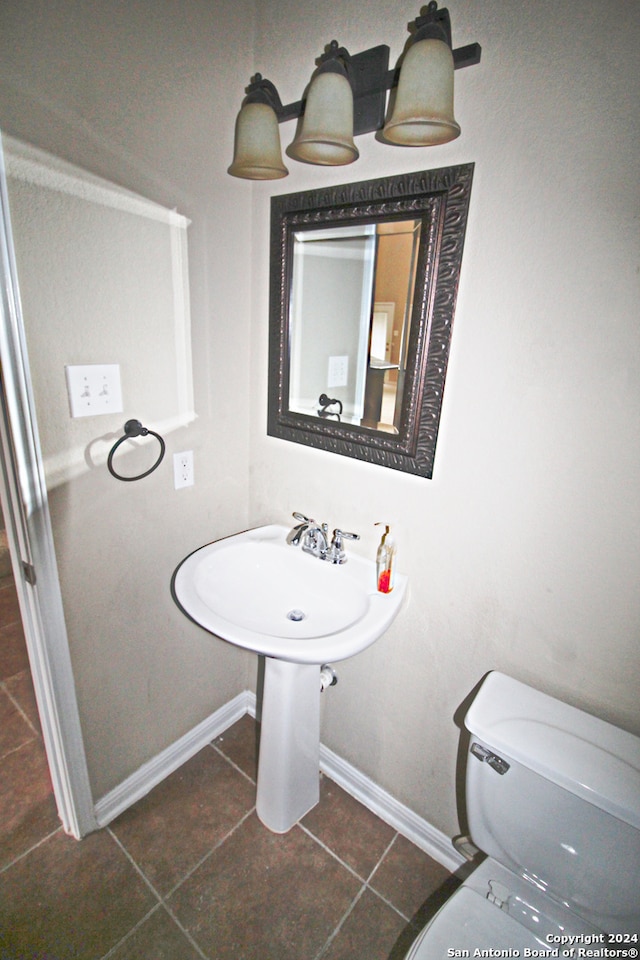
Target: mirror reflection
[362,292]
[350,312]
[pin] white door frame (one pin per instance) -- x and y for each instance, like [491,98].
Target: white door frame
[25,505]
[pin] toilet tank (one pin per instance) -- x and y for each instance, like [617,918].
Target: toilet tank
[553,794]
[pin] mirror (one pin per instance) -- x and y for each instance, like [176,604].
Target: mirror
[364,280]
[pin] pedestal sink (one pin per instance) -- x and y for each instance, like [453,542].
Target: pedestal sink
[299,612]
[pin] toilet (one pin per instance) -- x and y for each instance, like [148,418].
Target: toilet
[553,800]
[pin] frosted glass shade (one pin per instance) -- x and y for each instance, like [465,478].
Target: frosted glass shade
[258,155]
[423,111]
[326,136]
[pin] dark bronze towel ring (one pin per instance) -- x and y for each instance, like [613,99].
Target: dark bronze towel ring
[325,402]
[133,428]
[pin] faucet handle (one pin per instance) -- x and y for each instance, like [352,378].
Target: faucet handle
[342,534]
[336,553]
[294,536]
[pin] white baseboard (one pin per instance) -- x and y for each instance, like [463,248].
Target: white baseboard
[401,818]
[432,841]
[150,774]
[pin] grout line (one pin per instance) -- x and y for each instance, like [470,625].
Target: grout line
[383,856]
[131,860]
[131,932]
[12,750]
[234,765]
[160,904]
[377,893]
[341,923]
[210,853]
[26,853]
[194,943]
[332,852]
[389,903]
[20,746]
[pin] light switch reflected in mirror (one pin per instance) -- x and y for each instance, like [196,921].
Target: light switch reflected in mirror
[351,297]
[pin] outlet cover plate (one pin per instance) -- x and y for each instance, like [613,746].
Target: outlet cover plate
[183,469]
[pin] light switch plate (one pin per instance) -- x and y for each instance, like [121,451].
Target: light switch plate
[94,388]
[338,372]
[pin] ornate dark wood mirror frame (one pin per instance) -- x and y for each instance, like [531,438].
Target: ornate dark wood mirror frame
[440,199]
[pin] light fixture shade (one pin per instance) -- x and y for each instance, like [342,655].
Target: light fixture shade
[326,136]
[423,111]
[258,155]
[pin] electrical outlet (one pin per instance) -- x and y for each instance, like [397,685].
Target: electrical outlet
[183,469]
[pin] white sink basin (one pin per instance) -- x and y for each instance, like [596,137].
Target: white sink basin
[255,590]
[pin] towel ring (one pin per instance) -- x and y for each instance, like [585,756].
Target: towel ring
[325,402]
[133,428]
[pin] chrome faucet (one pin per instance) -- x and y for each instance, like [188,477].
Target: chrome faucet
[314,538]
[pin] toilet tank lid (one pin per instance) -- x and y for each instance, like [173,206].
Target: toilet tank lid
[581,753]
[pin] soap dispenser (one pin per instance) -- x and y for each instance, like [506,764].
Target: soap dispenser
[385,560]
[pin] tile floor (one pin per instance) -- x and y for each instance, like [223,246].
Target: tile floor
[189,873]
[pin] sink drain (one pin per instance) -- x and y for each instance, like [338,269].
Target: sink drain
[296,615]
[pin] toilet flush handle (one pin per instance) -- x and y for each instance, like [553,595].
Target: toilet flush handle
[485,756]
[499,895]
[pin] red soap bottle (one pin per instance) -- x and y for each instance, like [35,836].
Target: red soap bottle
[385,561]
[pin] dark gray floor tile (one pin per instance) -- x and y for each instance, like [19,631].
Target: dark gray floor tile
[169,831]
[261,896]
[407,877]
[70,900]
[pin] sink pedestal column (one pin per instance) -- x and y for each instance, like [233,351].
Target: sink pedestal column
[289,760]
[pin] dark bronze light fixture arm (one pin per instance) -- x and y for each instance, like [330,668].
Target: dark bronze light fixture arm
[369,73]
[466,56]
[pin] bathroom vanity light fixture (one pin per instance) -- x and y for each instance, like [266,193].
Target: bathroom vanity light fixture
[347,97]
